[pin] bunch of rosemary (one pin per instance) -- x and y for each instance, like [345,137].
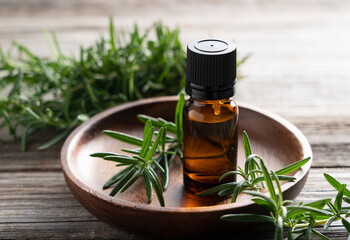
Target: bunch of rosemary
[41,93]
[302,219]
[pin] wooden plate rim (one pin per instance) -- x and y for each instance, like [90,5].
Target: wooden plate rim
[144,207]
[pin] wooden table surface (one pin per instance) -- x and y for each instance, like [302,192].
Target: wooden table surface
[299,69]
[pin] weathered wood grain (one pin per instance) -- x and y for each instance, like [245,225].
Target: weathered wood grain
[38,204]
[100,230]
[42,197]
[299,69]
[93,229]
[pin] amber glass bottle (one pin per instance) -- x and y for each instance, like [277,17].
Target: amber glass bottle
[210,115]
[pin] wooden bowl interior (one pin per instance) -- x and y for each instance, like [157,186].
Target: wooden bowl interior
[269,138]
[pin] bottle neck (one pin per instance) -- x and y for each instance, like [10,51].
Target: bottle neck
[214,104]
[211,93]
[222,101]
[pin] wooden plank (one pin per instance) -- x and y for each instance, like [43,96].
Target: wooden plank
[324,130]
[100,230]
[331,155]
[41,200]
[12,158]
[45,187]
[298,98]
[64,230]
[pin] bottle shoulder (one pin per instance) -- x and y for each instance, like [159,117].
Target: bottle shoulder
[211,111]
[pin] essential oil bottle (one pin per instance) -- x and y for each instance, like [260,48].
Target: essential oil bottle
[210,116]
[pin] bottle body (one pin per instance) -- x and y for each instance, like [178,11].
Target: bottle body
[210,142]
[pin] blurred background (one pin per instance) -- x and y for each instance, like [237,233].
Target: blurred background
[296,46]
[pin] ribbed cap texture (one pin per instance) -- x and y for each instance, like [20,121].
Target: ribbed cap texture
[211,67]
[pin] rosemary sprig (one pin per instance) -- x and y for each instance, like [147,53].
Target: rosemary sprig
[139,165]
[175,128]
[152,154]
[302,219]
[253,178]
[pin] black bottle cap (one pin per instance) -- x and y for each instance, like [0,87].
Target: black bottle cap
[211,69]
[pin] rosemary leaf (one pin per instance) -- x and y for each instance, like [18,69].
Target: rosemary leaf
[123,137]
[132,181]
[279,228]
[226,192]
[346,224]
[247,218]
[121,159]
[302,209]
[116,177]
[156,185]
[164,175]
[339,198]
[150,153]
[158,166]
[122,182]
[237,191]
[147,141]
[158,122]
[293,167]
[329,222]
[320,235]
[246,143]
[103,154]
[268,180]
[148,186]
[218,189]
[336,184]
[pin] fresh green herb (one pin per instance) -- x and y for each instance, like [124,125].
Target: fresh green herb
[137,166]
[41,93]
[302,219]
[252,174]
[152,154]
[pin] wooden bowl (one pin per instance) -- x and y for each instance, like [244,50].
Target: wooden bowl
[278,141]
